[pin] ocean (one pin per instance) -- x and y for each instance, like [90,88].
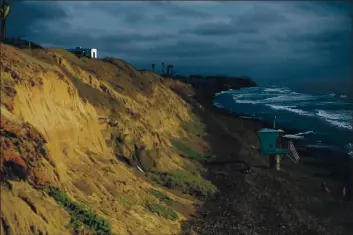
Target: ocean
[323,121]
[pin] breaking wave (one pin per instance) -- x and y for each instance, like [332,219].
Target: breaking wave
[286,100]
[340,118]
[280,90]
[218,105]
[327,114]
[289,98]
[290,109]
[338,115]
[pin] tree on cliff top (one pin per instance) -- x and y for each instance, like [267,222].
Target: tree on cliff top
[4,12]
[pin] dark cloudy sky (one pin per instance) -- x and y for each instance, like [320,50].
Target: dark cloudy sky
[269,41]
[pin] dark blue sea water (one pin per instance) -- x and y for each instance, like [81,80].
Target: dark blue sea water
[326,119]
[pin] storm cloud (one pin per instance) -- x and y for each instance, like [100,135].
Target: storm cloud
[265,40]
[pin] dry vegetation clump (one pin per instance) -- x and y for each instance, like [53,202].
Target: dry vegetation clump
[161,196]
[187,152]
[162,210]
[186,182]
[23,150]
[184,90]
[7,97]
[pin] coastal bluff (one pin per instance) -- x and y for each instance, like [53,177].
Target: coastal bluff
[94,146]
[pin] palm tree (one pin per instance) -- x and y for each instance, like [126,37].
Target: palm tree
[4,12]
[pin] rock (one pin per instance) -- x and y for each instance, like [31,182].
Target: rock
[112,122]
[145,158]
[125,153]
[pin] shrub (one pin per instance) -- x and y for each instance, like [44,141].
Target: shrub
[186,151]
[161,196]
[12,166]
[196,127]
[163,211]
[188,183]
[10,129]
[80,214]
[145,157]
[125,202]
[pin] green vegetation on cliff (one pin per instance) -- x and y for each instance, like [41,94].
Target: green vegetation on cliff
[81,215]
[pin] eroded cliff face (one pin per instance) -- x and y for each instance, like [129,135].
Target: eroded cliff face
[73,132]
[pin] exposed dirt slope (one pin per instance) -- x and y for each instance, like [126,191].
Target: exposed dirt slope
[74,130]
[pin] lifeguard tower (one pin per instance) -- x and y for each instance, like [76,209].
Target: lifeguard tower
[270,144]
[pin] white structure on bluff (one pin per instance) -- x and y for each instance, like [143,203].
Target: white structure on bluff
[93,53]
[84,52]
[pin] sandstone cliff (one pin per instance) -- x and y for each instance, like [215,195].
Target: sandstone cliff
[75,136]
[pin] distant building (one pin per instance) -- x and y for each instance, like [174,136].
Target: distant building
[21,43]
[84,52]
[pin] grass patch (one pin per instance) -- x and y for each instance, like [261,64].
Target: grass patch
[161,196]
[125,202]
[163,211]
[195,127]
[81,215]
[186,151]
[186,182]
[105,211]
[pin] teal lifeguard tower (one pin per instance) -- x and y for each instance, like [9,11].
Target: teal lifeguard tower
[269,141]
[270,144]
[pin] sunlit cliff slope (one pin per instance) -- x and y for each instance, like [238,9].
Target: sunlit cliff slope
[90,146]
